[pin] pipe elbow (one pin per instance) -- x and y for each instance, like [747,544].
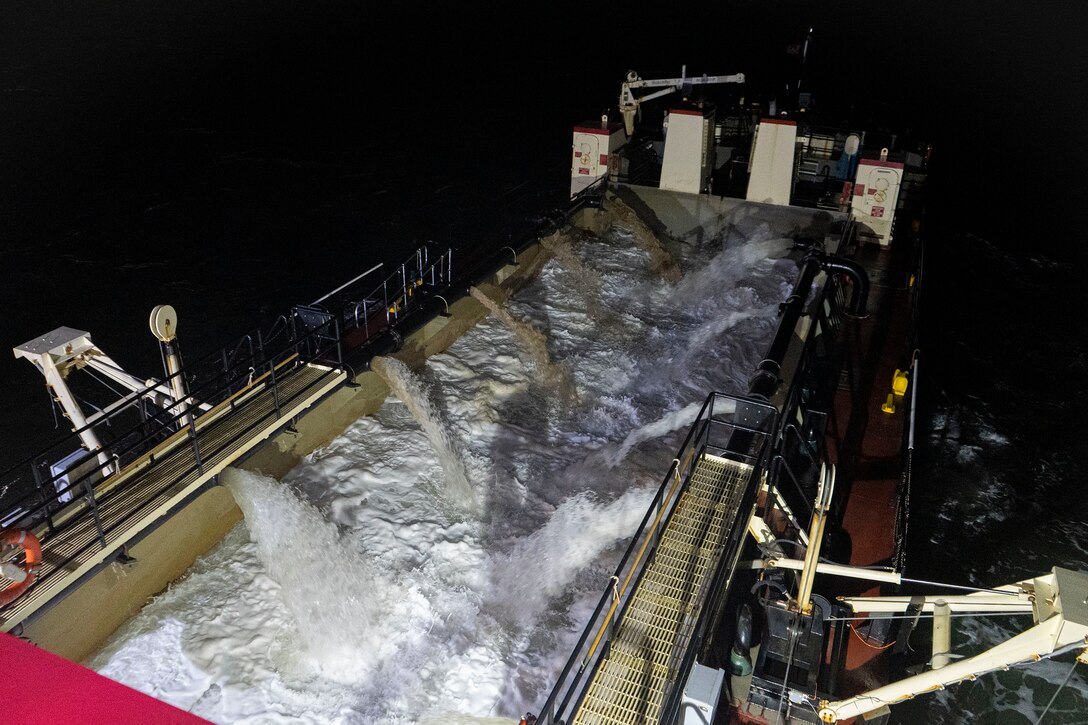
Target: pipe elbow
[859,297]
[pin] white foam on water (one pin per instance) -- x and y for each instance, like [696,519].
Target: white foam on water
[1017,695]
[353,593]
[335,596]
[987,475]
[666,424]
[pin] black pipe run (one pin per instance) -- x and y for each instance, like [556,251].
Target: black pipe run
[859,297]
[765,378]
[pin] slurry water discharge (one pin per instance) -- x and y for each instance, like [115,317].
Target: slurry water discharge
[535,344]
[455,487]
[354,592]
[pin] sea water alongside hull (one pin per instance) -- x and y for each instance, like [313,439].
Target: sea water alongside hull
[1003,460]
[357,591]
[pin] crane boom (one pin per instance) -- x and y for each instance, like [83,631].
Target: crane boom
[1059,603]
[629,103]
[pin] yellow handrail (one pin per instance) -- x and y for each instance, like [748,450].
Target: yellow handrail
[676,466]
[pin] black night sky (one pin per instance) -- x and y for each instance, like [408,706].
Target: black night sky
[233,158]
[108,110]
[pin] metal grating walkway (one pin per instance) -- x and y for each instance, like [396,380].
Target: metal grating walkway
[150,487]
[630,684]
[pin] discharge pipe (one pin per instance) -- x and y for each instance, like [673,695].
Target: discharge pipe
[859,296]
[765,378]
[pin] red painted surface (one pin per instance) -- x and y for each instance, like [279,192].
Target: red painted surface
[44,689]
[690,111]
[865,444]
[882,164]
[871,445]
[597,130]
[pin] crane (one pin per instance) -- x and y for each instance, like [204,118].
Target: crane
[629,103]
[1058,601]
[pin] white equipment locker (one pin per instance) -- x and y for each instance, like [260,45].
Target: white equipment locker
[876,192]
[771,178]
[592,150]
[689,150]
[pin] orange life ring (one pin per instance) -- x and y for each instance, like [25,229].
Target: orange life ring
[32,549]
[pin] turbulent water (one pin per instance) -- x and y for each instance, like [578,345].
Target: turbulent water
[1000,483]
[556,377]
[438,560]
[455,488]
[353,593]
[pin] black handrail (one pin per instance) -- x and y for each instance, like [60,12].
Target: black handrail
[572,683]
[217,376]
[127,450]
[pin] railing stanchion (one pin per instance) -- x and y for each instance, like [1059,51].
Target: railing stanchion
[275,388]
[339,342]
[39,486]
[195,443]
[93,505]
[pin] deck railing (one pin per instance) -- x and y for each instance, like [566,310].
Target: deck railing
[260,358]
[64,484]
[721,417]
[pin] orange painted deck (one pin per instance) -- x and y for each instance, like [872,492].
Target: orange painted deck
[869,443]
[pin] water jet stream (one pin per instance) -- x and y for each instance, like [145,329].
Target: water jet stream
[661,260]
[534,343]
[328,585]
[405,385]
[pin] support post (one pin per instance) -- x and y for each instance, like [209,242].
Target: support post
[177,383]
[942,633]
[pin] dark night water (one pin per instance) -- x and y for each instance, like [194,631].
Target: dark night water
[235,158]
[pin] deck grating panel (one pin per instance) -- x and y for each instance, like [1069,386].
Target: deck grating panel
[630,685]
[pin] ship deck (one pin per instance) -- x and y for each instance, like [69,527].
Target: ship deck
[863,442]
[93,530]
[630,685]
[866,443]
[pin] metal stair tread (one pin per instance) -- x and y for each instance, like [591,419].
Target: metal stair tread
[621,691]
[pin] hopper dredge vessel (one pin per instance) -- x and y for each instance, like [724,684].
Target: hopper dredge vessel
[766,583]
